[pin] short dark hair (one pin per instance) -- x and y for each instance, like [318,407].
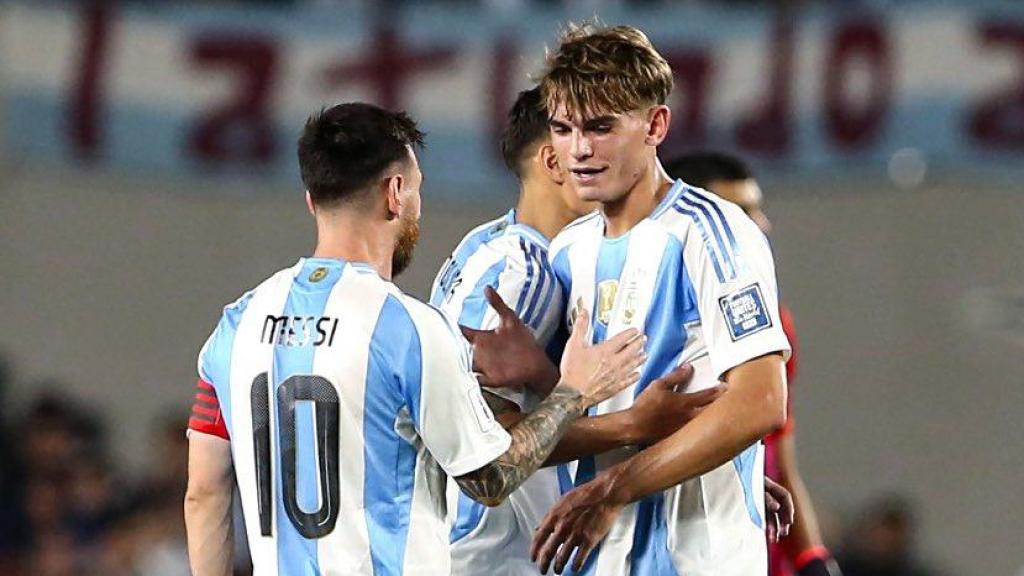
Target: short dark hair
[344,147]
[527,124]
[702,168]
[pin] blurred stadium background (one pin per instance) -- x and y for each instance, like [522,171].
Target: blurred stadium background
[147,176]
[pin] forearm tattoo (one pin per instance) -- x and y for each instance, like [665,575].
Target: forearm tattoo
[533,439]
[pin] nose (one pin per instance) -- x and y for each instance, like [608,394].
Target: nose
[581,148]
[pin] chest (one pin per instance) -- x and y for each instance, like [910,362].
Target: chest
[635,281]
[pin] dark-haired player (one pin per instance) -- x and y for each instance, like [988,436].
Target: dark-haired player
[511,255]
[338,403]
[803,550]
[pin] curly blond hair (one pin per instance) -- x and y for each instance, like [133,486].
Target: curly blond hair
[598,70]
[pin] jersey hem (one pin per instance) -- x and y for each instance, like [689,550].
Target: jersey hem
[747,353]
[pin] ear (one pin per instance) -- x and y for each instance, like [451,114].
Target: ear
[549,161]
[393,186]
[657,130]
[309,204]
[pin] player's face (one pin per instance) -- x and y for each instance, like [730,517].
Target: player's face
[603,155]
[409,220]
[747,195]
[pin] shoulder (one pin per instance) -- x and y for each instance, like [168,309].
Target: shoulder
[425,319]
[480,236]
[705,223]
[216,350]
[232,313]
[576,230]
[689,208]
[504,238]
[525,251]
[699,207]
[429,329]
[513,247]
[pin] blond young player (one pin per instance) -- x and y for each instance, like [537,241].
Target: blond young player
[695,275]
[510,254]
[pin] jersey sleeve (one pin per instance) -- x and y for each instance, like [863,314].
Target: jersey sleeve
[733,273]
[449,411]
[206,416]
[526,283]
[524,280]
[213,367]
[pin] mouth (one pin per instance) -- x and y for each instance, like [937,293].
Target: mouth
[585,174]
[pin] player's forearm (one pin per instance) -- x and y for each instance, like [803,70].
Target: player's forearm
[805,533]
[593,435]
[753,406]
[585,437]
[209,530]
[533,439]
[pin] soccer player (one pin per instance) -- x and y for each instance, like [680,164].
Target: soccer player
[338,403]
[803,550]
[510,254]
[697,276]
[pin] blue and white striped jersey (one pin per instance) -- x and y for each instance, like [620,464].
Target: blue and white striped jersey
[697,277]
[511,257]
[345,399]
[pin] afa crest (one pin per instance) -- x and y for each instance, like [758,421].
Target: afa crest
[606,293]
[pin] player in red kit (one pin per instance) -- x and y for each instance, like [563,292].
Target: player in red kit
[802,551]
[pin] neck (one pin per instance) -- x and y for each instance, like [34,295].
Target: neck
[621,215]
[353,236]
[538,209]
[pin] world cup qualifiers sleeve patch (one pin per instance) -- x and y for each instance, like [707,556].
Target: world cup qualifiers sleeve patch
[744,312]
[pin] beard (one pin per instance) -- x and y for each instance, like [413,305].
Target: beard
[404,247]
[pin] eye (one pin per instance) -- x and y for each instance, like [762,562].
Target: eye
[602,128]
[559,129]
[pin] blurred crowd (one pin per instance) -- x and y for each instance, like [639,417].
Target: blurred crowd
[880,541]
[67,509]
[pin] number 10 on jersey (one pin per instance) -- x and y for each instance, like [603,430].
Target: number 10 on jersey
[324,397]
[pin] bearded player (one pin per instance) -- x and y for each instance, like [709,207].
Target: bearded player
[697,276]
[339,404]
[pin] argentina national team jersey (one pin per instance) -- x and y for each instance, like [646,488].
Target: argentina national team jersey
[697,278]
[346,402]
[513,258]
